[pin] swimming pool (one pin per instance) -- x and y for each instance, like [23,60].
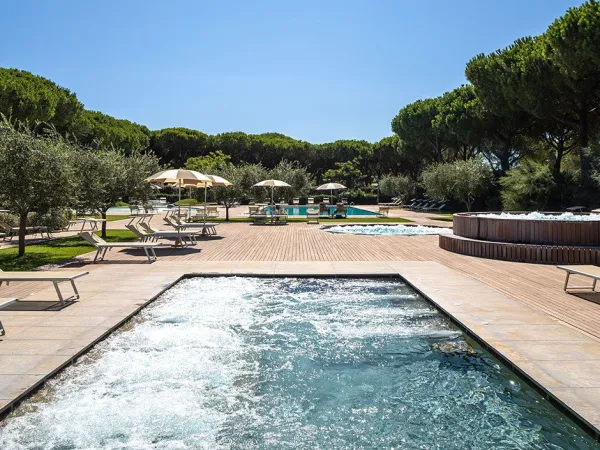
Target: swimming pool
[300,210]
[391,230]
[230,363]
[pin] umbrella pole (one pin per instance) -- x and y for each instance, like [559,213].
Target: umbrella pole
[205,188]
[190,203]
[272,201]
[179,202]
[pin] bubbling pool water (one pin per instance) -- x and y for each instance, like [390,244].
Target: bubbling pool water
[567,216]
[245,363]
[392,230]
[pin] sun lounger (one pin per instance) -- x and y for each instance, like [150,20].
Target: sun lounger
[410,204]
[384,210]
[424,206]
[310,201]
[270,219]
[340,211]
[182,238]
[396,201]
[55,277]
[212,211]
[102,246]
[417,204]
[437,208]
[313,216]
[587,271]
[10,231]
[296,201]
[206,228]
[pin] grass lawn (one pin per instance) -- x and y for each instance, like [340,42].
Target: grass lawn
[447,217]
[324,220]
[110,217]
[54,251]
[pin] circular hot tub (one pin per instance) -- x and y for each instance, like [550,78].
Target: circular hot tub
[550,238]
[530,228]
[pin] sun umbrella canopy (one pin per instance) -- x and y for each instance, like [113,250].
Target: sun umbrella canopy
[272,183]
[330,187]
[178,176]
[219,181]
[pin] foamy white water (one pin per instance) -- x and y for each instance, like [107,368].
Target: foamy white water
[248,363]
[403,230]
[542,216]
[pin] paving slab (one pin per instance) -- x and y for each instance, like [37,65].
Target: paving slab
[557,357]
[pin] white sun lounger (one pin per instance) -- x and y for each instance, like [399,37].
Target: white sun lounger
[592,272]
[102,246]
[53,276]
[206,228]
[182,238]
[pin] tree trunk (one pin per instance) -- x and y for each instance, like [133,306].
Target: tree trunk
[584,151]
[560,151]
[103,215]
[226,212]
[22,232]
[504,161]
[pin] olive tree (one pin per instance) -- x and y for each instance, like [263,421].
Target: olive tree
[464,181]
[108,175]
[243,178]
[399,186]
[293,174]
[36,173]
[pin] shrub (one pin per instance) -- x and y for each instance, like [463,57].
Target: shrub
[528,187]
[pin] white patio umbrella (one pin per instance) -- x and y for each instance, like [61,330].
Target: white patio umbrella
[272,184]
[179,177]
[331,187]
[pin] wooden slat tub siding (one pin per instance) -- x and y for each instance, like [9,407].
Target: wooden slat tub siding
[538,232]
[542,254]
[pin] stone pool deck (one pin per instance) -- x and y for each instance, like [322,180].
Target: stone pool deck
[517,309]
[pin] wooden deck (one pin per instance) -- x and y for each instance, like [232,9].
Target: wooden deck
[538,286]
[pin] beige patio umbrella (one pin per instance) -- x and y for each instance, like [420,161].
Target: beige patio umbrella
[272,184]
[331,187]
[215,181]
[179,177]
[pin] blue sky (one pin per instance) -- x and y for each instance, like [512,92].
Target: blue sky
[314,70]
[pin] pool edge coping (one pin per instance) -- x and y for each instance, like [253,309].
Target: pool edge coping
[570,412]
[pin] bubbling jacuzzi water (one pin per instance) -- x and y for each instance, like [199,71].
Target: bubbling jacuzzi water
[567,216]
[245,363]
[391,230]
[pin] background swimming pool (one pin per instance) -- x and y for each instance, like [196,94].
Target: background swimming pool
[300,210]
[245,363]
[292,210]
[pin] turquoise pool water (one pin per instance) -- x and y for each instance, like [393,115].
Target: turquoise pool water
[251,363]
[352,211]
[292,210]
